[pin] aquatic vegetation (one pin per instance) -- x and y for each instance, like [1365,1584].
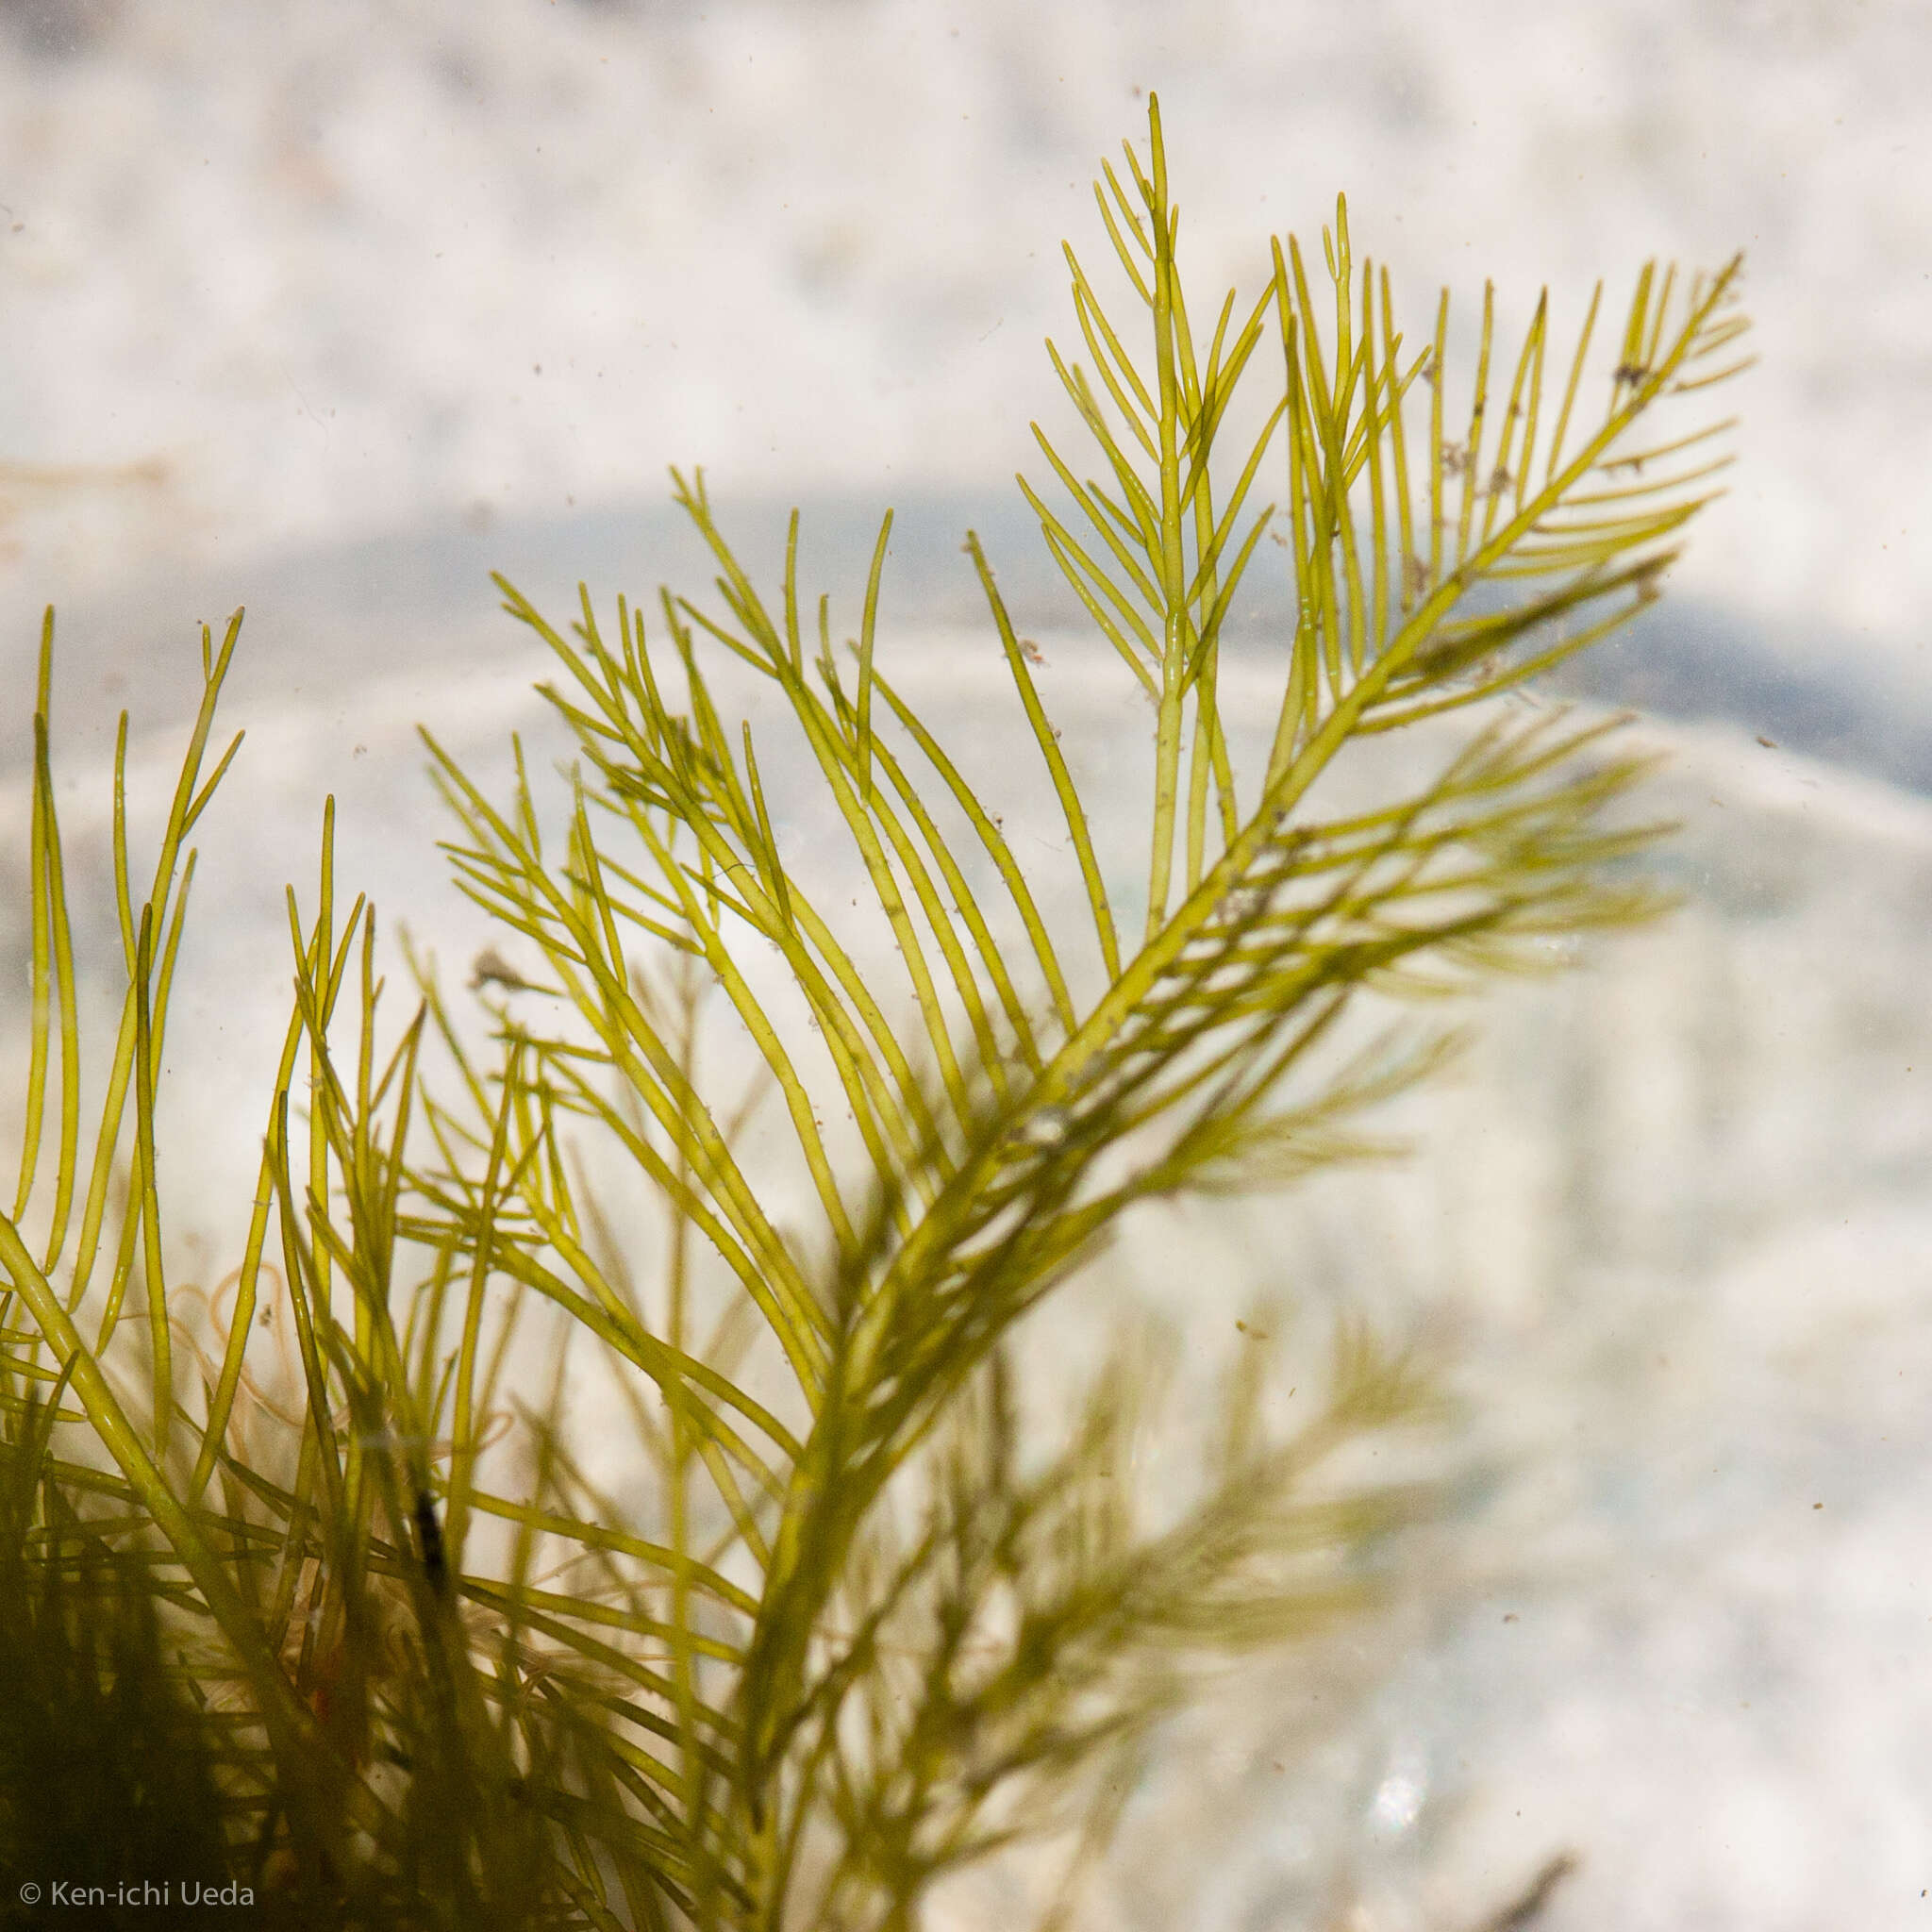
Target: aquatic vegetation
[862,1630]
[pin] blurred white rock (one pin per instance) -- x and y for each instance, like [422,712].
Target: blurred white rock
[337,271]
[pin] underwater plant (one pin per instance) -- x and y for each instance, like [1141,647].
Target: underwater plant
[858,1627]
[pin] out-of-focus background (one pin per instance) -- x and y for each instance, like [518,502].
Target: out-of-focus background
[276,281]
[333,311]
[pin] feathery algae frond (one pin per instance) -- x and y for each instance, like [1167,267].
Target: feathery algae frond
[856,1632]
[1006,1113]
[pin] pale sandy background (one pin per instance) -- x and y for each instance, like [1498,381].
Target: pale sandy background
[340,270]
[331,310]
